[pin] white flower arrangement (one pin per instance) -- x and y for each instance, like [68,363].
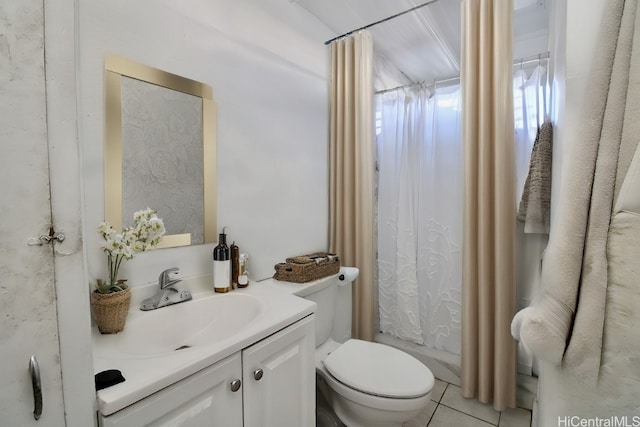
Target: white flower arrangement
[145,234]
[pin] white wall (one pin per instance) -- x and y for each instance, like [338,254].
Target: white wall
[573,42]
[268,67]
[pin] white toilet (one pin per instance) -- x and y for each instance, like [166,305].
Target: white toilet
[367,384]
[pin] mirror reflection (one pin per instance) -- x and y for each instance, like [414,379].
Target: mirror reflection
[160,151]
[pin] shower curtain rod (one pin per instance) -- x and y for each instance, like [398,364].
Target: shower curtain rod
[380,21]
[516,62]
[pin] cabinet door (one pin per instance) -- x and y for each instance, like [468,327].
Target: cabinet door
[205,399]
[279,378]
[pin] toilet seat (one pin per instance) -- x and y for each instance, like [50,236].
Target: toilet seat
[379,370]
[370,400]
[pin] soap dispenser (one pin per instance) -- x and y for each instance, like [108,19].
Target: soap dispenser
[222,264]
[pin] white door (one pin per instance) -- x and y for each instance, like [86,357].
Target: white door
[28,325]
[279,378]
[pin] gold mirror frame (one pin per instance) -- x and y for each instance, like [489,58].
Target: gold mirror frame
[115,68]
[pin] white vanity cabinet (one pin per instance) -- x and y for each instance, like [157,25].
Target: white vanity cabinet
[270,383]
[279,378]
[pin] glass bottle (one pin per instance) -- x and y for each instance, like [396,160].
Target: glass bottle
[221,265]
[243,272]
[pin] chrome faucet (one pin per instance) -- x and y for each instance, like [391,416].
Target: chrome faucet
[167,294]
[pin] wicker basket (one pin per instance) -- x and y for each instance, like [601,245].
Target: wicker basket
[305,268]
[110,310]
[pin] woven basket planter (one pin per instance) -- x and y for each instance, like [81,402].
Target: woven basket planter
[110,310]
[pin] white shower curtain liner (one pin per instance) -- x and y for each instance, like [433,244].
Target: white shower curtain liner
[419,216]
[420,207]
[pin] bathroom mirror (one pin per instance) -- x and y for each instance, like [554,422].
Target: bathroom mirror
[160,151]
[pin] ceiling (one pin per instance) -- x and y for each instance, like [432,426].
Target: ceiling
[423,44]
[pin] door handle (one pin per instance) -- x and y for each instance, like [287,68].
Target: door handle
[34,370]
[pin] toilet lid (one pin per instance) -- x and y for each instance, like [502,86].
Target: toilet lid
[379,370]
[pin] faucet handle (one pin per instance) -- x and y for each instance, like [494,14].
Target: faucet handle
[169,277]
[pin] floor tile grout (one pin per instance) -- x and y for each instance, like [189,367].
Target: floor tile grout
[439,403]
[469,415]
[432,414]
[462,412]
[431,417]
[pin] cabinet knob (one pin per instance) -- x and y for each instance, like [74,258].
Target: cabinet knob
[235,385]
[257,374]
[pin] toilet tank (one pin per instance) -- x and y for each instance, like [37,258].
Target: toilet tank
[324,293]
[343,310]
[332,296]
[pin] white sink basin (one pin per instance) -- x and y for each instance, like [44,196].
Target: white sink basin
[186,325]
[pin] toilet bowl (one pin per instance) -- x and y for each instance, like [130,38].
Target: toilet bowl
[366,384]
[372,385]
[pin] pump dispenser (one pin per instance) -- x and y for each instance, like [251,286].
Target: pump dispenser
[222,264]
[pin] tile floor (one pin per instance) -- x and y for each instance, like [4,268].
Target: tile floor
[449,409]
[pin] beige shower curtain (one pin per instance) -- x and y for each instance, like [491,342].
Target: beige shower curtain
[351,171]
[489,279]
